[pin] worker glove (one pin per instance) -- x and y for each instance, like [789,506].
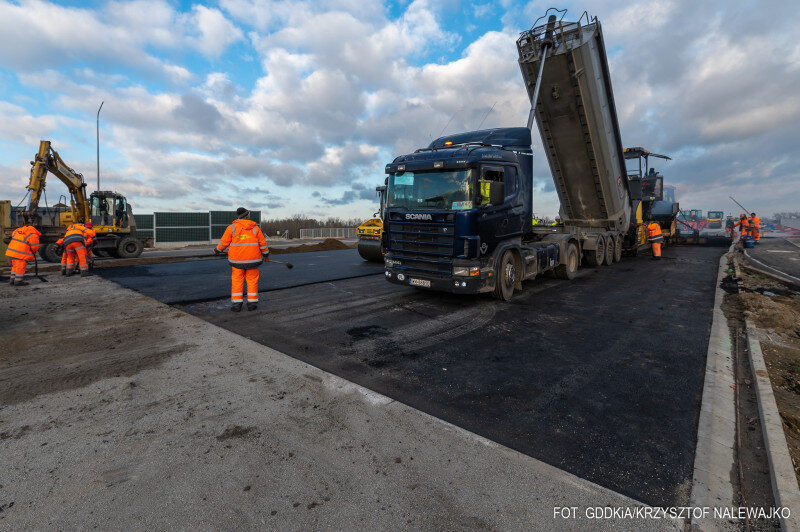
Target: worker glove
[215,251]
[266,255]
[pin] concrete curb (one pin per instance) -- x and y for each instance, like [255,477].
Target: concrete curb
[716,429]
[784,482]
[772,272]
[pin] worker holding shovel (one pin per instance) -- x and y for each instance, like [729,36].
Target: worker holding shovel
[247,249]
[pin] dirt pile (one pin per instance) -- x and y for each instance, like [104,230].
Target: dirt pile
[329,244]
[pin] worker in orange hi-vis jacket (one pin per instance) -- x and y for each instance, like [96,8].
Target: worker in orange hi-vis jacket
[247,249]
[755,222]
[22,248]
[655,237]
[75,249]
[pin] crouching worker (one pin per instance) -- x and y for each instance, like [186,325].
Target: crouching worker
[75,250]
[247,249]
[22,248]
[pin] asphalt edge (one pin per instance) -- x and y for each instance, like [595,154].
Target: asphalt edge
[769,270]
[342,385]
[716,429]
[785,487]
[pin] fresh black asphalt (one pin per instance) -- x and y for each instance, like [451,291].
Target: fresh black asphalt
[779,253]
[600,376]
[199,280]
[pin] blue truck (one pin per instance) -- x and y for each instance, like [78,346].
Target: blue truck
[459,213]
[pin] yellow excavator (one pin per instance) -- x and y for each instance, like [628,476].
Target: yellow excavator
[370,233]
[108,211]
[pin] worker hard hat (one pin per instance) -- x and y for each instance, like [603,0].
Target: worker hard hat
[88,224]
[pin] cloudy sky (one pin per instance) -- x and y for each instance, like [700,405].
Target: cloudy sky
[295,106]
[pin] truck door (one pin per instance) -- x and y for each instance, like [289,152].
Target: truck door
[494,222]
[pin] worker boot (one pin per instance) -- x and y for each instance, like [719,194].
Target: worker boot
[252,306]
[63,271]
[236,307]
[17,282]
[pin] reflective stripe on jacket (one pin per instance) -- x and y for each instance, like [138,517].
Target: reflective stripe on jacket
[654,232]
[75,234]
[24,243]
[245,244]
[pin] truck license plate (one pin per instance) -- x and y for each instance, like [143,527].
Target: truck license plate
[420,282]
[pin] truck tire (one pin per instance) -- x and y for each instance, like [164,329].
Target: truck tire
[609,255]
[618,249]
[568,270]
[129,247]
[506,277]
[48,253]
[595,257]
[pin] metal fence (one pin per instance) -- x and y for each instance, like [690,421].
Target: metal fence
[329,232]
[197,226]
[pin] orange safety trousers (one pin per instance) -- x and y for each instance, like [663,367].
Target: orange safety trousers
[18,269]
[656,249]
[64,258]
[76,254]
[238,278]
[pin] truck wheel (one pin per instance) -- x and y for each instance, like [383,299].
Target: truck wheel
[568,270]
[618,249]
[48,253]
[506,277]
[609,254]
[129,247]
[595,257]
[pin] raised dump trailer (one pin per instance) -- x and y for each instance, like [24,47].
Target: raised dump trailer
[459,212]
[566,75]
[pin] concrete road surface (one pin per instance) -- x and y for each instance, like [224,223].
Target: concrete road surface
[119,412]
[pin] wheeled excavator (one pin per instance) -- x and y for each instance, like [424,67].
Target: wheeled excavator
[109,211]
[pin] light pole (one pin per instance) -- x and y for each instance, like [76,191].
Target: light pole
[98,144]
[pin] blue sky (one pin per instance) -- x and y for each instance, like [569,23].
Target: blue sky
[293,106]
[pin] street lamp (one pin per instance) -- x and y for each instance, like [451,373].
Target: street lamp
[98,144]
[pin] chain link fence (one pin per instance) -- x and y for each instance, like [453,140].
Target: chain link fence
[198,226]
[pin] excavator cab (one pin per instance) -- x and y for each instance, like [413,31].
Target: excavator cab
[108,211]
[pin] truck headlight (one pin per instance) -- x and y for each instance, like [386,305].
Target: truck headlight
[466,271]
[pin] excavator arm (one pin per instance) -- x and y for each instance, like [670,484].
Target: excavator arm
[48,160]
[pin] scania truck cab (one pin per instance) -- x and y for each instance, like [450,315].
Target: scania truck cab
[457,212]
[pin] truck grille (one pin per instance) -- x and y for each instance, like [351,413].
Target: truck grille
[424,248]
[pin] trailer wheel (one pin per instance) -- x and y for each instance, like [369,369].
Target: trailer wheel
[609,258]
[595,257]
[48,253]
[618,249]
[506,277]
[568,270]
[129,247]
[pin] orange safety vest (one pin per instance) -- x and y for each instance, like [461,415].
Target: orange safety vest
[245,242]
[742,223]
[75,234]
[24,243]
[654,232]
[89,235]
[756,221]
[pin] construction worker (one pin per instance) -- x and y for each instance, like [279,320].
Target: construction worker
[755,222]
[89,236]
[22,248]
[743,224]
[655,238]
[247,249]
[75,249]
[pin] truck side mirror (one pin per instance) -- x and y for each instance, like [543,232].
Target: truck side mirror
[497,193]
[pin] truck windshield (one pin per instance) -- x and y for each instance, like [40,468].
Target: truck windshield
[431,190]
